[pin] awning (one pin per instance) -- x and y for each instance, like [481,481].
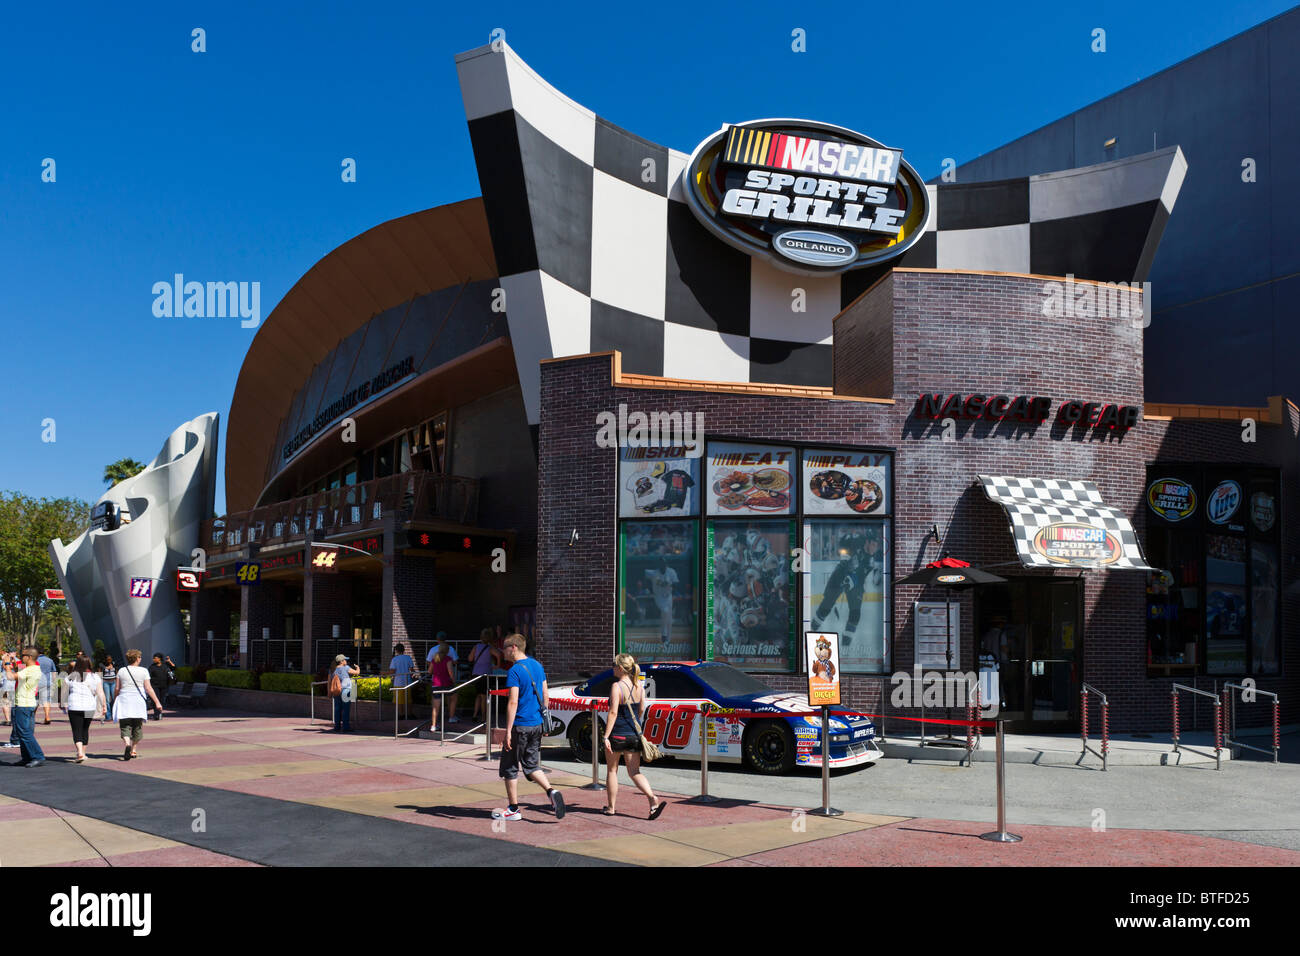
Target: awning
[1062,523]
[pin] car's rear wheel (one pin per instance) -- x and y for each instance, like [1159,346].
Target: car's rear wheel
[580,737]
[769,746]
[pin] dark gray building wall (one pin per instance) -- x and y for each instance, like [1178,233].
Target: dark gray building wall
[1226,278]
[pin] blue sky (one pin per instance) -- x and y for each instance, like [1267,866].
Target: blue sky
[225,165]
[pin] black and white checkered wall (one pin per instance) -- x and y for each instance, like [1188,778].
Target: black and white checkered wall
[597,249]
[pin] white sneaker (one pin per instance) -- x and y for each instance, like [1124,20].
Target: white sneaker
[12,746]
[507,814]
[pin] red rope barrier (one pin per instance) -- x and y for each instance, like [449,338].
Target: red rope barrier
[1218,725]
[1083,700]
[1105,729]
[1174,697]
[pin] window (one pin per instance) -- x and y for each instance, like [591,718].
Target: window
[750,575]
[1213,606]
[384,460]
[846,588]
[674,685]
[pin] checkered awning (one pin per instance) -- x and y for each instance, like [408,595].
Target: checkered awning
[1062,523]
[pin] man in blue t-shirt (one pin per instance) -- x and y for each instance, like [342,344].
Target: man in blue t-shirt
[523,744]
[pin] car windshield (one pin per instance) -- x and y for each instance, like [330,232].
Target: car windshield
[726,681]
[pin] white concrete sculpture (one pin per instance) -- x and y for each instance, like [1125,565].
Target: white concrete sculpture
[166,504]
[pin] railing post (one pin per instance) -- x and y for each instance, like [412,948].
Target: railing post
[1105,730]
[704,797]
[1218,733]
[1083,722]
[1173,693]
[595,756]
[1277,726]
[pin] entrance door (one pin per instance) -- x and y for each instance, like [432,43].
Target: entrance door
[1033,628]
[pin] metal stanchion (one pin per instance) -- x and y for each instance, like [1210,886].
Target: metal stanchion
[705,797]
[826,810]
[489,705]
[1001,835]
[595,755]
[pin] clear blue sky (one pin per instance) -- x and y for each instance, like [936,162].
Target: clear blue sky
[225,165]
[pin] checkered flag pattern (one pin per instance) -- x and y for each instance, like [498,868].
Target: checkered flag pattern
[597,249]
[1035,503]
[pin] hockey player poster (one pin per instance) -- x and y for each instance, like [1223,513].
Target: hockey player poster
[658,606]
[845,587]
[658,483]
[751,602]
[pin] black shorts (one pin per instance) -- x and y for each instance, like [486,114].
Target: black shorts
[525,751]
[621,744]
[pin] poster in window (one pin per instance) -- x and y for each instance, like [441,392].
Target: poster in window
[1225,604]
[751,587]
[658,483]
[845,482]
[748,479]
[1265,651]
[658,608]
[845,584]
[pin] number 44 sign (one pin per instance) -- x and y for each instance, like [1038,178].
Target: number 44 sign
[324,559]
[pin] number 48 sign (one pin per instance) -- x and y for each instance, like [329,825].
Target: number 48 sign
[249,572]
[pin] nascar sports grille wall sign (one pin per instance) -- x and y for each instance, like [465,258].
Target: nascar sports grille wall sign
[811,197]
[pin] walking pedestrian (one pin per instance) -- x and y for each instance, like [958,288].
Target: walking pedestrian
[400,668]
[485,659]
[28,681]
[85,702]
[524,728]
[342,693]
[444,646]
[441,677]
[160,678]
[48,667]
[132,704]
[109,678]
[623,735]
[6,685]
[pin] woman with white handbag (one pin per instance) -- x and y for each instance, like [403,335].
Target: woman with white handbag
[623,737]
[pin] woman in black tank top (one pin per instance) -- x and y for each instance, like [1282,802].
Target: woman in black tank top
[626,699]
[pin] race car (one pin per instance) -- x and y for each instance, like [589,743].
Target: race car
[790,738]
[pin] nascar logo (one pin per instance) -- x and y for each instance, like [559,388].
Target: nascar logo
[811,197]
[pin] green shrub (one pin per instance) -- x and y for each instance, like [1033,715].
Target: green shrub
[367,687]
[232,678]
[184,674]
[287,683]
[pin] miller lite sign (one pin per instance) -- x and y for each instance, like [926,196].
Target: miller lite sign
[813,198]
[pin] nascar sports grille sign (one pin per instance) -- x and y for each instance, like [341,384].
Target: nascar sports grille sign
[811,197]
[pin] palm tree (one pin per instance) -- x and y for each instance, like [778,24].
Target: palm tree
[60,618]
[121,470]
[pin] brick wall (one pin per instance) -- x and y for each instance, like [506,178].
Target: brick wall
[967,333]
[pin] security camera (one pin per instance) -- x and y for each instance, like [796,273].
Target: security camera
[573,537]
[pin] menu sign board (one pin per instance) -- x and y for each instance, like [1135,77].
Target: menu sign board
[823,656]
[937,635]
[845,482]
[748,479]
[658,482]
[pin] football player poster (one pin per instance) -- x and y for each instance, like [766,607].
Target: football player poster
[658,608]
[750,581]
[823,657]
[845,588]
[658,483]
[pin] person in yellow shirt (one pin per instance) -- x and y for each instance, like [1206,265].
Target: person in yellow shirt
[29,681]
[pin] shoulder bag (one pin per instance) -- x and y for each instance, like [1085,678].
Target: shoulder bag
[541,704]
[336,685]
[650,751]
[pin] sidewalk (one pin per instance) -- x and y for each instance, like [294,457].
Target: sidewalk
[410,801]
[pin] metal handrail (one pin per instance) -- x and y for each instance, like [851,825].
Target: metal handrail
[1218,720]
[443,708]
[312,692]
[1232,719]
[397,709]
[1084,691]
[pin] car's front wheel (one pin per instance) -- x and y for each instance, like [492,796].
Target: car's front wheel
[580,737]
[769,746]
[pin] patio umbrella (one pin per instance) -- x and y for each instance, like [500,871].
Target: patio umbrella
[950,573]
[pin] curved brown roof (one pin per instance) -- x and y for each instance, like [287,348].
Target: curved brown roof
[381,268]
